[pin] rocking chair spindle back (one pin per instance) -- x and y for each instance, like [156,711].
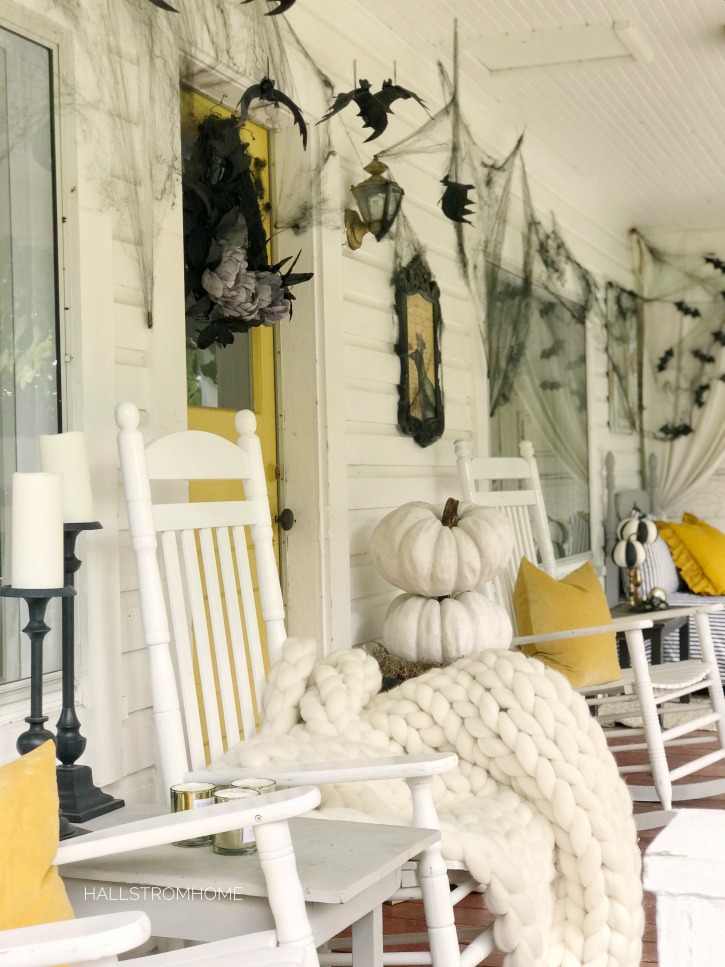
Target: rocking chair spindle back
[207,691]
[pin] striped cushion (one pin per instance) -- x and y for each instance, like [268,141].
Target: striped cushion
[671,644]
[658,570]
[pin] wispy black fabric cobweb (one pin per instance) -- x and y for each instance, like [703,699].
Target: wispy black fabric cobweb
[130,100]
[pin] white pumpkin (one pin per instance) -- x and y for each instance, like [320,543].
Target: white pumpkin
[628,553]
[642,529]
[423,550]
[426,629]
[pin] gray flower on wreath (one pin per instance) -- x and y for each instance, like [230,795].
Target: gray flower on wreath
[232,286]
[273,303]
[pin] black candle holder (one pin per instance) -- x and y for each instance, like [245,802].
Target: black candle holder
[36,629]
[80,798]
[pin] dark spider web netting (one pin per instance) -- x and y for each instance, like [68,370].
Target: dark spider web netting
[514,268]
[683,310]
[532,298]
[682,365]
[130,100]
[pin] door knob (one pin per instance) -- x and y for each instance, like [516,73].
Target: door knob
[285,519]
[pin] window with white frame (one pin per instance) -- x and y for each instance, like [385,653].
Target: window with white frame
[29,334]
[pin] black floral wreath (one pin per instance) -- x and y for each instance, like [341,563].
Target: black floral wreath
[230,286]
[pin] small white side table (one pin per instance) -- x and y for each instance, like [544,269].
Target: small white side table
[347,871]
[685,868]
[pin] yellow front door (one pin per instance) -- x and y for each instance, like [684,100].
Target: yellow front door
[241,376]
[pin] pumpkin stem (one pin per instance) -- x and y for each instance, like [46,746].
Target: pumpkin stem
[450,513]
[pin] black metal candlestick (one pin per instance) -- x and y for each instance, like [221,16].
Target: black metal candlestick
[36,629]
[80,799]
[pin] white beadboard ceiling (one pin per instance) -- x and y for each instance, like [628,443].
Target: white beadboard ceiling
[638,133]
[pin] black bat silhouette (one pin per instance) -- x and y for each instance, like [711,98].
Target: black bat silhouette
[664,360]
[552,350]
[164,6]
[687,310]
[716,263]
[266,91]
[372,110]
[672,432]
[284,5]
[700,394]
[394,92]
[455,201]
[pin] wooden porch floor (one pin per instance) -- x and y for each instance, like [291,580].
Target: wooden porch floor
[408,918]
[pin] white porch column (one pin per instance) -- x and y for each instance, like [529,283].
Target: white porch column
[685,868]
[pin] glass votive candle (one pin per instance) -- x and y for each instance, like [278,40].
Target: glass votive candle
[261,785]
[235,842]
[192,795]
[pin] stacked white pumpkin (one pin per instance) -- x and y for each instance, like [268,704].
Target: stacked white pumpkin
[629,553]
[633,533]
[439,559]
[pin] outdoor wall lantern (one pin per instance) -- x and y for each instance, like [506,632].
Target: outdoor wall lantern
[378,199]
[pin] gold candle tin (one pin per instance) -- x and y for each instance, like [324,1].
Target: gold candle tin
[261,785]
[192,795]
[235,842]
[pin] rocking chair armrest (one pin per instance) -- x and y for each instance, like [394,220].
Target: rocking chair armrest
[75,941]
[322,773]
[170,827]
[246,949]
[617,625]
[686,610]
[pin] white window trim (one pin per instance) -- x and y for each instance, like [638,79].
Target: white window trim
[15,696]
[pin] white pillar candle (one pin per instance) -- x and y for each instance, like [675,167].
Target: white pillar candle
[65,453]
[36,547]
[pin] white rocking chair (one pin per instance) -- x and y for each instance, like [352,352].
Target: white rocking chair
[209,584]
[649,686]
[97,940]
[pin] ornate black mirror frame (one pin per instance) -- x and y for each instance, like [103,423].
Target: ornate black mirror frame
[420,398]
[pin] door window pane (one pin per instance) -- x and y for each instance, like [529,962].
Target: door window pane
[29,387]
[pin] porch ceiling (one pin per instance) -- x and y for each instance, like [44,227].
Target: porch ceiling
[643,137]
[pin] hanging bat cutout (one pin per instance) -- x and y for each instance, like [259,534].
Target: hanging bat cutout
[283,7]
[372,108]
[266,91]
[455,201]
[162,5]
[373,111]
[391,92]
[716,263]
[664,361]
[687,310]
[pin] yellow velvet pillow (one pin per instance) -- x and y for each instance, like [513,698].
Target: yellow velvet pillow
[543,604]
[698,551]
[31,890]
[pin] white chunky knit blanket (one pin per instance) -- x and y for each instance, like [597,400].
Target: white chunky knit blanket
[535,809]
